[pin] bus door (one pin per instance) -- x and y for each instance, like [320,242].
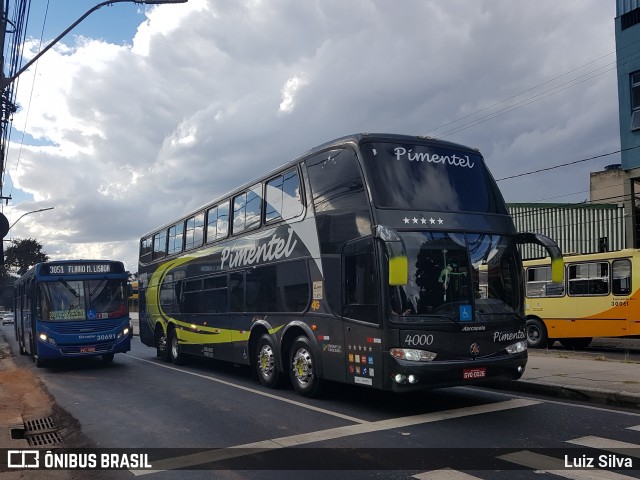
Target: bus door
[361,314]
[28,320]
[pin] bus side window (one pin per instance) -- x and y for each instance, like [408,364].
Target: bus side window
[621,277]
[589,279]
[146,249]
[539,283]
[160,245]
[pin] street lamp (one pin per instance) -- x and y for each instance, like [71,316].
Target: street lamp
[29,213]
[6,81]
[4,229]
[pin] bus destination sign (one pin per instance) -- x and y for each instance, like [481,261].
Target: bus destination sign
[79,268]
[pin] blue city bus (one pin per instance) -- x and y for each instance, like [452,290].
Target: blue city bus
[381,260]
[71,309]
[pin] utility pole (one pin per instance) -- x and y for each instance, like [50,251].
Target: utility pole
[7,107]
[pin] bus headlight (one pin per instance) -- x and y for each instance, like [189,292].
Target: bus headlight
[517,347]
[45,338]
[412,355]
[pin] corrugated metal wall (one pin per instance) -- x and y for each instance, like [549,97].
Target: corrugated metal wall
[575,228]
[625,6]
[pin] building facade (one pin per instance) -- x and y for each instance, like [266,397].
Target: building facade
[581,228]
[627,32]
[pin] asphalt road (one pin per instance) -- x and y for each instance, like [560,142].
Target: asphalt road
[199,411]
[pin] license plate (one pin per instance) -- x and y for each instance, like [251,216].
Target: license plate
[472,373]
[87,349]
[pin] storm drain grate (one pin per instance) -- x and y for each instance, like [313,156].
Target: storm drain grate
[41,431]
[42,439]
[39,424]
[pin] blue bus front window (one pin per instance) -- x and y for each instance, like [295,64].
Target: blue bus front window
[107,297]
[62,301]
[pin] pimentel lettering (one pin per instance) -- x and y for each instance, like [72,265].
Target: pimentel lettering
[454,159]
[276,248]
[502,337]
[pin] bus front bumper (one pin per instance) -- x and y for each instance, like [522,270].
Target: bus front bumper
[49,349]
[406,376]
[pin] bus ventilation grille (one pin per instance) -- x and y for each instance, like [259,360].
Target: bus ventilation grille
[41,432]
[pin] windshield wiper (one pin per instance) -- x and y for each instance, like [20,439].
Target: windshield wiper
[70,288]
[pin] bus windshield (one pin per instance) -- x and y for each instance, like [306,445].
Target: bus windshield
[459,278]
[80,300]
[423,177]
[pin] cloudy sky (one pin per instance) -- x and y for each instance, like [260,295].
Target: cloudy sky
[144,113]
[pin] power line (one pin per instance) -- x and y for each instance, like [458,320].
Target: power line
[566,164]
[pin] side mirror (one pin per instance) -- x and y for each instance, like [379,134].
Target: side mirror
[557,263]
[397,253]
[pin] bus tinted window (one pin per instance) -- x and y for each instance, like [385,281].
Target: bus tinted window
[339,198]
[217,222]
[421,177]
[160,245]
[282,197]
[194,231]
[175,234]
[246,209]
[145,250]
[589,278]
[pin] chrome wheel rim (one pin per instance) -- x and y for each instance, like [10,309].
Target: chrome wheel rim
[302,365]
[266,361]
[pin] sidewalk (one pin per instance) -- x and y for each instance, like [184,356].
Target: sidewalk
[599,381]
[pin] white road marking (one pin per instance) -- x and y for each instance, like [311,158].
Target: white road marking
[329,434]
[556,466]
[636,427]
[444,474]
[253,390]
[615,446]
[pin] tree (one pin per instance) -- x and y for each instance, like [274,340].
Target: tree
[23,254]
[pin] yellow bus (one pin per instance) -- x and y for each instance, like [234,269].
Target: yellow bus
[599,298]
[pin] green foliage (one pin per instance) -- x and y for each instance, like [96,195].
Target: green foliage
[23,254]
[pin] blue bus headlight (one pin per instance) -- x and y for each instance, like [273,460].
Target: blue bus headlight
[412,355]
[45,338]
[517,347]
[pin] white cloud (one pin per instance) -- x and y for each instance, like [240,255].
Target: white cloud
[210,93]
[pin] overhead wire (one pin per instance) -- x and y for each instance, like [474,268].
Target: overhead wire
[28,109]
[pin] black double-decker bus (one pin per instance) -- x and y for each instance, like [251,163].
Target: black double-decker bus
[387,261]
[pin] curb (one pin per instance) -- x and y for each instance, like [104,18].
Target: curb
[572,392]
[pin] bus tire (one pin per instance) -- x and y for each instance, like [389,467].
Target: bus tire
[302,368]
[34,355]
[176,356]
[536,333]
[266,362]
[162,346]
[107,357]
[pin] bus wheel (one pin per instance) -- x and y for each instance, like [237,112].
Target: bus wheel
[176,356]
[266,362]
[536,333]
[162,347]
[107,357]
[302,368]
